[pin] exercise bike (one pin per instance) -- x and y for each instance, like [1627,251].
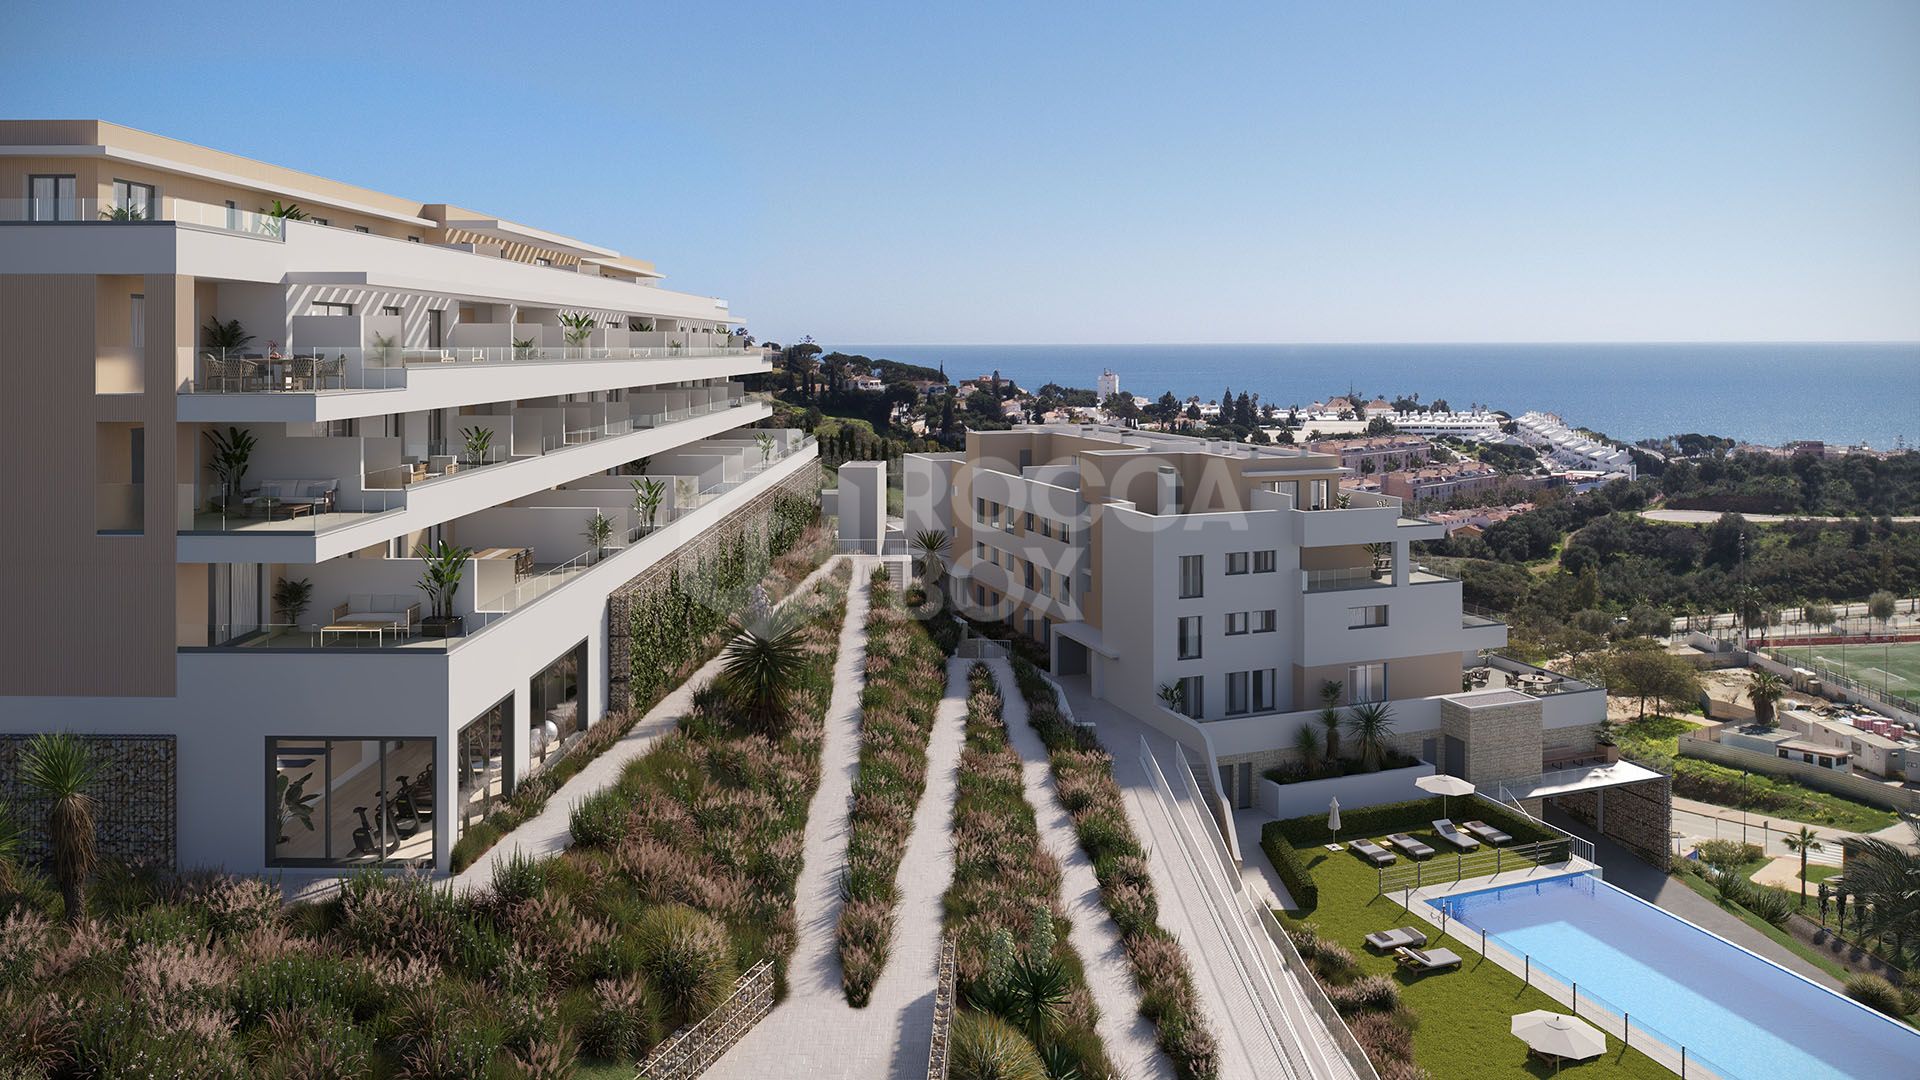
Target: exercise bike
[363,842]
[399,812]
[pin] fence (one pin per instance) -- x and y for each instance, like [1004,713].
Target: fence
[689,1053]
[1279,970]
[1833,680]
[1464,865]
[1846,785]
[1598,1011]
[979,648]
[943,995]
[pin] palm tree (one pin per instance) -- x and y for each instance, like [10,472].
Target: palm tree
[1330,692]
[1802,842]
[1764,689]
[9,846]
[930,550]
[1884,880]
[59,768]
[1307,742]
[761,671]
[1371,724]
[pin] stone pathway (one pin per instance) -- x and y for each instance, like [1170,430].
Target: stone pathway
[814,1032]
[1130,1037]
[550,831]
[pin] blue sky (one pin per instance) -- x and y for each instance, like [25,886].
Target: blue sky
[1098,173]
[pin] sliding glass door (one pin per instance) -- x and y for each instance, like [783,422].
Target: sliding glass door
[349,802]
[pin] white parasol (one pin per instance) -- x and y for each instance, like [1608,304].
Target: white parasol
[1560,1036]
[1333,817]
[1443,785]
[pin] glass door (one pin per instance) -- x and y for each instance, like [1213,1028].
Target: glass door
[52,198]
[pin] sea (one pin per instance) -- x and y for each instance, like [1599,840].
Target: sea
[1761,393]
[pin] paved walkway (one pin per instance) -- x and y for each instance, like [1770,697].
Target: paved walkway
[814,1032]
[1130,1037]
[1249,1045]
[550,831]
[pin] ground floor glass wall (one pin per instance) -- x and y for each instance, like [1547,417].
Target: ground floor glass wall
[345,802]
[480,758]
[556,713]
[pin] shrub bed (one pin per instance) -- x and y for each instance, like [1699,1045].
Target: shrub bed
[905,678]
[796,551]
[683,875]
[1006,890]
[1083,780]
[1345,766]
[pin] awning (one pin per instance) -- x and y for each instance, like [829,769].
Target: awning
[1088,636]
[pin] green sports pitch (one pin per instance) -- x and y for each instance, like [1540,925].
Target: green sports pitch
[1893,667]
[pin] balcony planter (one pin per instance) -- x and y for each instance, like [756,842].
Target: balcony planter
[1609,753]
[443,626]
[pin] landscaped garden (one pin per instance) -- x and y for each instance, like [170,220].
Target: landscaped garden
[1026,1010]
[1441,1024]
[1083,780]
[905,679]
[681,876]
[1656,740]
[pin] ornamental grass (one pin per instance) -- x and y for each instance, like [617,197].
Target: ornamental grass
[905,678]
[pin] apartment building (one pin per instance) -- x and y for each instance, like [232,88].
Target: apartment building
[1215,589]
[1380,453]
[1567,447]
[240,403]
[1438,483]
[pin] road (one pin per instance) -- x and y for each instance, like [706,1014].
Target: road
[1708,517]
[1769,833]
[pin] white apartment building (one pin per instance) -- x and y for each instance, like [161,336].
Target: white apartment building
[1569,448]
[1478,425]
[1225,580]
[1108,386]
[403,374]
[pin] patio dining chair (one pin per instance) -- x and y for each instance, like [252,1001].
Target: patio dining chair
[216,374]
[334,369]
[301,371]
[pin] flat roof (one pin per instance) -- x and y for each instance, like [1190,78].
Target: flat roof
[1592,778]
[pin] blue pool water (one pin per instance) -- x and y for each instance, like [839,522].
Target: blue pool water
[1749,1018]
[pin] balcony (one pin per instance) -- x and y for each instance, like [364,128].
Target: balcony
[328,370]
[73,211]
[372,606]
[1362,577]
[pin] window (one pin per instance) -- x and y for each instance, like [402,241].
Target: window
[137,321]
[1316,494]
[52,198]
[979,509]
[362,229]
[1193,697]
[345,801]
[555,710]
[1263,690]
[318,221]
[319,307]
[390,309]
[1027,523]
[1362,617]
[1238,697]
[1066,590]
[1028,567]
[480,762]
[413,239]
[1263,561]
[132,202]
[980,551]
[1046,527]
[1236,623]
[1188,633]
[1264,621]
[1192,576]
[1366,682]
[542,262]
[1236,562]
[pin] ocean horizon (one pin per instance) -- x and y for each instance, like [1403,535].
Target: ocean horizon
[1761,392]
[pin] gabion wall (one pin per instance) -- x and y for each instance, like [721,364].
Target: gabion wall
[134,797]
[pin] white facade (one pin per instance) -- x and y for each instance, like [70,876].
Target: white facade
[1546,432]
[1107,386]
[417,375]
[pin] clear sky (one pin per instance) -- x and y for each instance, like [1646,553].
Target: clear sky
[1037,172]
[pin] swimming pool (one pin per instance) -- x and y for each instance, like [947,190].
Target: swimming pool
[1746,1016]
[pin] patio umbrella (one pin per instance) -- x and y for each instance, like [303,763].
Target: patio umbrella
[1333,818]
[1443,785]
[1559,1035]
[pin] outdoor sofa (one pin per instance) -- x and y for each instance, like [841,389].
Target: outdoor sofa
[318,494]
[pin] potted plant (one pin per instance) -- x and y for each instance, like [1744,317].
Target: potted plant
[674,345]
[479,442]
[445,566]
[232,451]
[765,442]
[599,532]
[291,598]
[647,495]
[294,802]
[523,349]
[385,349]
[1382,560]
[226,336]
[1609,748]
[579,326]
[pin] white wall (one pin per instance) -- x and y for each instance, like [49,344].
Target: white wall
[862,504]
[555,534]
[1282,801]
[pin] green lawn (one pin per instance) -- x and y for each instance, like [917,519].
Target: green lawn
[1893,666]
[1464,1015]
[1818,872]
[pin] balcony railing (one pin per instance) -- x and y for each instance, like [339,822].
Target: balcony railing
[75,211]
[271,369]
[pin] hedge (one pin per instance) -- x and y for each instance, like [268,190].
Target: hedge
[1399,817]
[1291,867]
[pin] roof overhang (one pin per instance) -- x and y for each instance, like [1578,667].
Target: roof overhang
[1572,781]
[508,232]
[1088,636]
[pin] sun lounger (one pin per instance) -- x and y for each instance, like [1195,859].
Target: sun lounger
[1426,959]
[1409,845]
[1391,940]
[1487,832]
[1372,852]
[1454,836]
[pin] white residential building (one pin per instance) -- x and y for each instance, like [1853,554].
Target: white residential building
[1107,386]
[1222,578]
[210,407]
[1569,448]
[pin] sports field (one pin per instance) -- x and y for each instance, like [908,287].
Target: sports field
[1894,667]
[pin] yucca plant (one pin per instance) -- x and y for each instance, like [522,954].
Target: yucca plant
[1306,743]
[9,846]
[930,551]
[761,671]
[59,767]
[1371,724]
